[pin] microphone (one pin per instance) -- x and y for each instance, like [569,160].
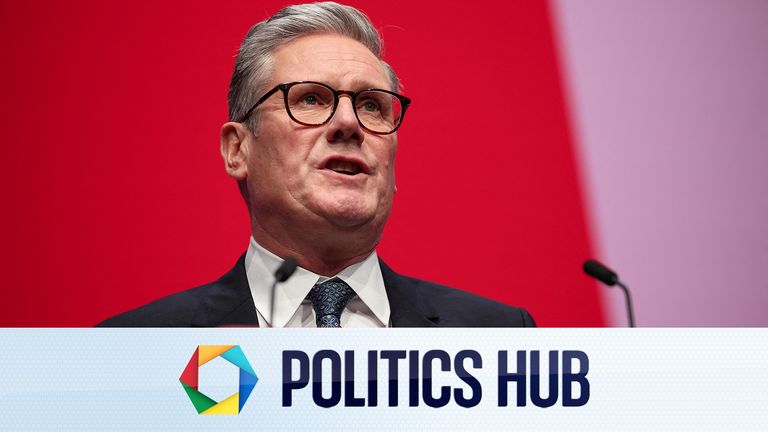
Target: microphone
[285,271]
[609,277]
[600,272]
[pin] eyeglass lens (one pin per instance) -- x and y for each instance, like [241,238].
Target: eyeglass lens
[312,104]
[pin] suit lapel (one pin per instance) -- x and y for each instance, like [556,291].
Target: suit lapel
[408,308]
[228,302]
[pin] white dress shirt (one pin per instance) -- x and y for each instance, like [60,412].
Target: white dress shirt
[289,307]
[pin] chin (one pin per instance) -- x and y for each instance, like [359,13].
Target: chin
[349,213]
[350,219]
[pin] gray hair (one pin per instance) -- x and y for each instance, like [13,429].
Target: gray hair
[254,58]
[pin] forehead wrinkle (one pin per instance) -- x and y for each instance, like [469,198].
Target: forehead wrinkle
[357,72]
[332,64]
[356,79]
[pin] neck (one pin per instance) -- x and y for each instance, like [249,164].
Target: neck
[326,254]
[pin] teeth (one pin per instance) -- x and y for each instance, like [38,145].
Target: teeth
[343,167]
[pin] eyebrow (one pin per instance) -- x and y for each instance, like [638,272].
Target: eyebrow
[357,84]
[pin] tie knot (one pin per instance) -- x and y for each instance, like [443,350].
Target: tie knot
[328,300]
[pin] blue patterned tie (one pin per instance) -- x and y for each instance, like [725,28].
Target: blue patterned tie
[329,299]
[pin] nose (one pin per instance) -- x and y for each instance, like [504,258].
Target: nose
[344,126]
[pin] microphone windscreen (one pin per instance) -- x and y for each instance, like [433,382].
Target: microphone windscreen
[600,272]
[286,269]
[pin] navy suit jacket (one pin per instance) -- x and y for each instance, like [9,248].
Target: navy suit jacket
[413,303]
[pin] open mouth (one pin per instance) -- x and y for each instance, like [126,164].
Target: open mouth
[345,167]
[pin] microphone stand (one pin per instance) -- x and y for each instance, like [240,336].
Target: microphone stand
[609,277]
[286,270]
[628,298]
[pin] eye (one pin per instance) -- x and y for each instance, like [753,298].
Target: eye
[310,99]
[370,105]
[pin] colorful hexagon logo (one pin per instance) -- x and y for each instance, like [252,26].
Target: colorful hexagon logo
[232,404]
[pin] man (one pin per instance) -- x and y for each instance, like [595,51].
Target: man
[311,142]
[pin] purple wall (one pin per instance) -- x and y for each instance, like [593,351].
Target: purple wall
[669,109]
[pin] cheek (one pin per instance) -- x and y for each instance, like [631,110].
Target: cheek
[283,157]
[387,161]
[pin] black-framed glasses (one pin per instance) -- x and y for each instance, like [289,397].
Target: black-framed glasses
[313,104]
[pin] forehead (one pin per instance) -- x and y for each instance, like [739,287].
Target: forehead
[335,60]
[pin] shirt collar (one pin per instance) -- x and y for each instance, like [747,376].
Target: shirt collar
[260,264]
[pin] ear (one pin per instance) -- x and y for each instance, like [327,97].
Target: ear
[233,138]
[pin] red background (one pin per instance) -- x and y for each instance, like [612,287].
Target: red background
[114,193]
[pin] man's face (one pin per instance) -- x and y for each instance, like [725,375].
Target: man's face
[296,172]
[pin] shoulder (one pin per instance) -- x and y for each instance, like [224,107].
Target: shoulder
[451,307]
[458,308]
[226,301]
[176,310]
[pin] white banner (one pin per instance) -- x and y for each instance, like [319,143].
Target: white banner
[257,379]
